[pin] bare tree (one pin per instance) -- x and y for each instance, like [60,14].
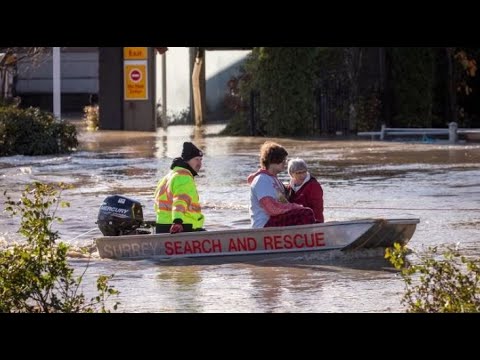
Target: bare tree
[34,54]
[198,86]
[11,56]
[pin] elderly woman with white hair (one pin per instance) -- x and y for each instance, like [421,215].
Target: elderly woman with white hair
[268,203]
[304,189]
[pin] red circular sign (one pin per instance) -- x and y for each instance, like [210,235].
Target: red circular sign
[135,75]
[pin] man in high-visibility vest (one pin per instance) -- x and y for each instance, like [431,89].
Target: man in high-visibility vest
[177,204]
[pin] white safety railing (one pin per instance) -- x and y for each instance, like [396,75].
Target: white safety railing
[453,131]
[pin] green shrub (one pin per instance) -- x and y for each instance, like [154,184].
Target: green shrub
[34,132]
[368,112]
[237,126]
[448,284]
[35,276]
[284,77]
[413,84]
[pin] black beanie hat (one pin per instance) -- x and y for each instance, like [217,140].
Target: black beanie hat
[190,151]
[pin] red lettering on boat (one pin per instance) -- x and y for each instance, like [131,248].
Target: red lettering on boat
[205,246]
[295,241]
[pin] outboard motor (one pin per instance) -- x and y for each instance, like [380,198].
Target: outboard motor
[119,215]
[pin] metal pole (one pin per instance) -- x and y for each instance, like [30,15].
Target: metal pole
[57,107]
[164,88]
[192,55]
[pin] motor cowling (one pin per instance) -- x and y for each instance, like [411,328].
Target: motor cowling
[119,215]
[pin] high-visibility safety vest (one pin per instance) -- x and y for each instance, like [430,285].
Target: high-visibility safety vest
[176,197]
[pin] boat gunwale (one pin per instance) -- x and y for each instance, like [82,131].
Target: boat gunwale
[406,221]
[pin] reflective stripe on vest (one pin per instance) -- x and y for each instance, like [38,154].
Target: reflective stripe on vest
[176,197]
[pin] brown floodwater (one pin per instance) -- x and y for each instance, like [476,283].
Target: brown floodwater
[438,183]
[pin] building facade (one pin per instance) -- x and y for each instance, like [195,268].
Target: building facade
[80,79]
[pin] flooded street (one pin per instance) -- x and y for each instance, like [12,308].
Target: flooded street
[440,184]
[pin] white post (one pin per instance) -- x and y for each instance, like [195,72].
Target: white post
[452,132]
[57,92]
[383,132]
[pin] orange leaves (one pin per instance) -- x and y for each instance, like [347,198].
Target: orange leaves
[469,65]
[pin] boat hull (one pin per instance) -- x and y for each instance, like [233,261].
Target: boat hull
[345,235]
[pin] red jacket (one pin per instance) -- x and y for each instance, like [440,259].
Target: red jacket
[309,195]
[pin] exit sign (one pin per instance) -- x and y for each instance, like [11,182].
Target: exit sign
[135,53]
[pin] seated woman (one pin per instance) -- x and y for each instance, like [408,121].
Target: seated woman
[304,189]
[269,206]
